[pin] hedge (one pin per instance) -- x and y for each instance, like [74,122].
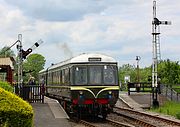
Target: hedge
[14,112]
[7,86]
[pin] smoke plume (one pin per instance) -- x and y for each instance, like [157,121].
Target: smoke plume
[65,48]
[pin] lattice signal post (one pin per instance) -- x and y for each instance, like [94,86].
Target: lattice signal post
[22,55]
[156,52]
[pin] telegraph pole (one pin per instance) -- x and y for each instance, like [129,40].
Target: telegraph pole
[156,52]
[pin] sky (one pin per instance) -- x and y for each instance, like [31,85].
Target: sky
[119,28]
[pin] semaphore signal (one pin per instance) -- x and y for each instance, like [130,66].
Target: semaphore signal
[156,51]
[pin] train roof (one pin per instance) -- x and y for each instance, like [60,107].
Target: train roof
[43,70]
[86,58]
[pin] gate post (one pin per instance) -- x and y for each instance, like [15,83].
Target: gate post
[128,88]
[42,92]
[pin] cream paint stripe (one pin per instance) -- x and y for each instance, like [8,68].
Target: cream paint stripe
[85,88]
[79,87]
[94,86]
[105,87]
[76,87]
[82,88]
[109,88]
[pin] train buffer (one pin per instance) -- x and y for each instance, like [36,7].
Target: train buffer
[50,114]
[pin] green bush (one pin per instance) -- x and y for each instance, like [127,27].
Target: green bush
[6,86]
[14,112]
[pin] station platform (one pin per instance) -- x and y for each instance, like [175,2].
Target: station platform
[138,101]
[50,114]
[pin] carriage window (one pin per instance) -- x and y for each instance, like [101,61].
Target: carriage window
[66,78]
[59,74]
[49,77]
[95,74]
[109,75]
[63,76]
[80,75]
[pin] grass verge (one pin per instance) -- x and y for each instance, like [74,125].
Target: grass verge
[169,108]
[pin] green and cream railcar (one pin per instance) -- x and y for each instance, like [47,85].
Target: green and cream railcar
[85,83]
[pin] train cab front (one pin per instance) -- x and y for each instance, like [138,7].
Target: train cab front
[100,103]
[95,87]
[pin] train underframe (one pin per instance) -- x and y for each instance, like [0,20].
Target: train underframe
[82,108]
[91,111]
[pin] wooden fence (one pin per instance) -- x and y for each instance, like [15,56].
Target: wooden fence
[31,93]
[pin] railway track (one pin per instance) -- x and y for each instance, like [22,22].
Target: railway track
[106,123]
[118,124]
[101,123]
[143,119]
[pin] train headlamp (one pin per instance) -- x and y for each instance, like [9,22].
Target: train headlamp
[80,92]
[110,92]
[81,97]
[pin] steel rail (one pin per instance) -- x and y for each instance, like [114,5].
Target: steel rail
[107,121]
[87,124]
[165,120]
[136,120]
[118,124]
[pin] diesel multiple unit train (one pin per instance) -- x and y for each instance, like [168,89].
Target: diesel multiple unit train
[85,84]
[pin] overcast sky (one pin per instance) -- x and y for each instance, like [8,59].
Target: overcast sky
[119,28]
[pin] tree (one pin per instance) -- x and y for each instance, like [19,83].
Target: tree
[169,72]
[145,74]
[34,63]
[6,52]
[127,70]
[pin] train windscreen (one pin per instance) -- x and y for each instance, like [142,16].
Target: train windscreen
[109,75]
[81,75]
[95,75]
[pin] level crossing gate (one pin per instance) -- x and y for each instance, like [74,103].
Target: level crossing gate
[140,87]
